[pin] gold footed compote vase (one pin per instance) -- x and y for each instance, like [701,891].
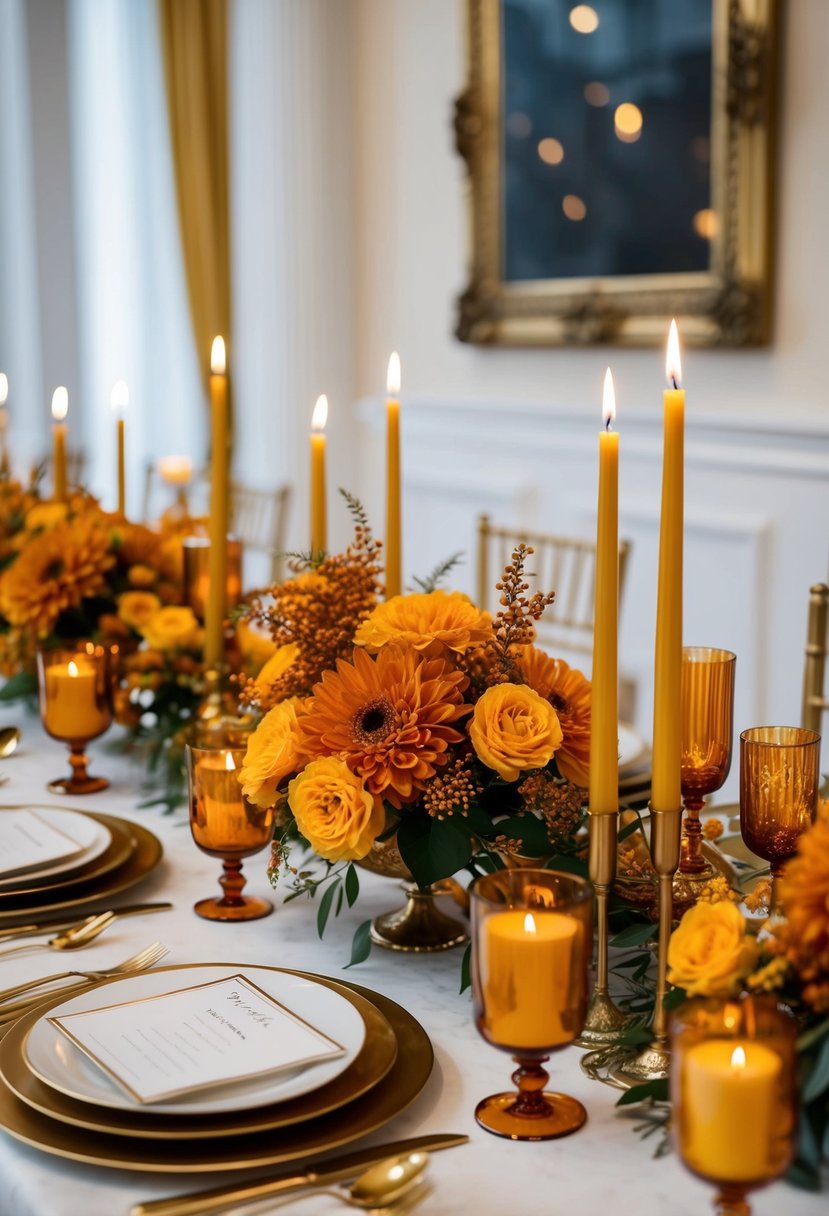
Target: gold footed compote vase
[532,940]
[733,1095]
[707,706]
[226,825]
[779,785]
[420,926]
[75,688]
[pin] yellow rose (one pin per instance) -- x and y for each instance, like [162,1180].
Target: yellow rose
[140,575]
[45,515]
[334,811]
[513,729]
[273,753]
[136,607]
[276,666]
[710,952]
[171,628]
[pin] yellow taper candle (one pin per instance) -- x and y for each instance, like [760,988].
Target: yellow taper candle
[119,400]
[217,593]
[604,710]
[394,541]
[60,408]
[319,538]
[526,967]
[667,721]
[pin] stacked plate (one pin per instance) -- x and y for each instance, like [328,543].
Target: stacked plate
[634,768]
[101,856]
[53,1097]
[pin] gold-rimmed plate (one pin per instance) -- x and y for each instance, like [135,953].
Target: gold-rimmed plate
[404,1081]
[370,1066]
[144,857]
[121,844]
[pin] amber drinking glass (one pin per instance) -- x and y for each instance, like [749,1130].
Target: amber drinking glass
[779,782]
[707,706]
[225,824]
[75,690]
[733,1094]
[197,572]
[532,939]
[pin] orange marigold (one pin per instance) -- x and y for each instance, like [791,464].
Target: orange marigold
[429,621]
[568,691]
[390,718]
[804,893]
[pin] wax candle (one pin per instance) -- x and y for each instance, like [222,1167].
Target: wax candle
[175,470]
[527,961]
[220,819]
[393,512]
[119,400]
[667,719]
[604,709]
[4,423]
[731,1109]
[60,408]
[75,707]
[319,537]
[217,600]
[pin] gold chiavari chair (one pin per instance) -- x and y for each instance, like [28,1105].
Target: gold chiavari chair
[815,701]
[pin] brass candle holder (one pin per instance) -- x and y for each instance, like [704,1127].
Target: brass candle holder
[605,1023]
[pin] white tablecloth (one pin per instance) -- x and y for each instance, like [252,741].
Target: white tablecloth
[604,1167]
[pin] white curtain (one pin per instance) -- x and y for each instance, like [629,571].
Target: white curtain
[133,318]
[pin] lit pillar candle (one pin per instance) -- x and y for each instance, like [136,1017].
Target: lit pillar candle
[221,820]
[393,512]
[604,713]
[526,964]
[74,708]
[667,720]
[60,408]
[217,594]
[731,1109]
[119,400]
[319,537]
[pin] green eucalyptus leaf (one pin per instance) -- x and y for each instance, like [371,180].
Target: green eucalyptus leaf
[657,1090]
[324,909]
[352,885]
[634,935]
[527,829]
[433,848]
[360,945]
[817,1080]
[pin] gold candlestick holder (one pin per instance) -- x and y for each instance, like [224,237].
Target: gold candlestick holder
[651,1062]
[605,1022]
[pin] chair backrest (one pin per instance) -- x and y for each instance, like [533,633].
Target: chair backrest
[566,565]
[815,701]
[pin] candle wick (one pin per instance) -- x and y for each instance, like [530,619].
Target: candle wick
[673,382]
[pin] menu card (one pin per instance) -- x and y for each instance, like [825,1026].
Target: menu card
[29,843]
[217,1033]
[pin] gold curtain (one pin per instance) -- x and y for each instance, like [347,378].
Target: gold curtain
[194,39]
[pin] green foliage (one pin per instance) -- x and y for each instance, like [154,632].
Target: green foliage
[466,966]
[360,945]
[19,687]
[433,848]
[432,581]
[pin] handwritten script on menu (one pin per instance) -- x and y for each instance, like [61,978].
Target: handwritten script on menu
[213,1034]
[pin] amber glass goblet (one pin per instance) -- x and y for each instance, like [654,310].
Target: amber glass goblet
[75,693]
[225,824]
[779,782]
[532,939]
[733,1094]
[707,706]
[196,550]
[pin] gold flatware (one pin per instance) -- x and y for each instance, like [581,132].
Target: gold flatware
[337,1169]
[9,739]
[380,1188]
[72,939]
[55,926]
[138,962]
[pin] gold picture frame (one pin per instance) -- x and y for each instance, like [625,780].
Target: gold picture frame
[729,304]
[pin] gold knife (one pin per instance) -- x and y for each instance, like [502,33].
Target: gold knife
[54,925]
[338,1169]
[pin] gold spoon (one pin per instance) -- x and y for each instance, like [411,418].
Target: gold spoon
[382,1188]
[9,739]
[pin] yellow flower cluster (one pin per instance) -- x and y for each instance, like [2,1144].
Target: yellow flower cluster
[514,729]
[711,952]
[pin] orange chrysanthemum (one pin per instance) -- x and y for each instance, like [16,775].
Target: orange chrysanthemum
[568,691]
[137,545]
[428,622]
[390,718]
[804,892]
[55,571]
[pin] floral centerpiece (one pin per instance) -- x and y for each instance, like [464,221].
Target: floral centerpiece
[419,718]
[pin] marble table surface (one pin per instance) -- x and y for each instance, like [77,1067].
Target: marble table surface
[604,1167]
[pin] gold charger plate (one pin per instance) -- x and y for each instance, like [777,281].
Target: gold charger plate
[372,1063]
[122,842]
[404,1081]
[145,856]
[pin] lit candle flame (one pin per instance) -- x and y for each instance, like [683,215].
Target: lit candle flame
[738,1058]
[60,403]
[72,668]
[608,401]
[218,358]
[393,374]
[4,388]
[119,398]
[673,366]
[230,763]
[529,923]
[320,414]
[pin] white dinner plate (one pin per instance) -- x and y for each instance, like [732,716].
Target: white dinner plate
[92,838]
[633,749]
[59,1063]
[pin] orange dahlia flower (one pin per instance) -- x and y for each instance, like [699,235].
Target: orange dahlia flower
[568,691]
[426,622]
[804,893]
[390,718]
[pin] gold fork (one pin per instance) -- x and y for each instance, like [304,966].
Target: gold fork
[11,1010]
[70,939]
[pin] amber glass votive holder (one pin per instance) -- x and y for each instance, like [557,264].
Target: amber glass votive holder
[226,825]
[532,940]
[707,708]
[779,784]
[197,572]
[75,694]
[733,1094]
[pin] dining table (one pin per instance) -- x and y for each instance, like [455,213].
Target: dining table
[606,1166]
